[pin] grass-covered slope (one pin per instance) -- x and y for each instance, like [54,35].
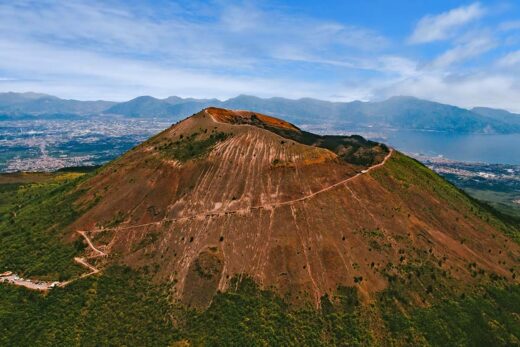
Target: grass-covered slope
[123,308]
[412,178]
[119,308]
[33,221]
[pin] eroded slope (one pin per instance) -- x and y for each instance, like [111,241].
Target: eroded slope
[225,194]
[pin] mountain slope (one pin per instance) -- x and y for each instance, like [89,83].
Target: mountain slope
[237,226]
[173,107]
[396,112]
[498,114]
[142,106]
[222,194]
[413,113]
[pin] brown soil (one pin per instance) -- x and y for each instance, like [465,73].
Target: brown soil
[295,218]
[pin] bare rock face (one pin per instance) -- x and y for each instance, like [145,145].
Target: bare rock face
[226,194]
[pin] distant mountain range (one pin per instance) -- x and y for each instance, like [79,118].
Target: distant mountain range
[34,104]
[400,112]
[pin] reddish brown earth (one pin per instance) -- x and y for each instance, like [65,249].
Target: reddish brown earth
[296,218]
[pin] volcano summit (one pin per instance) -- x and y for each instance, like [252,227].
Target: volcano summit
[227,196]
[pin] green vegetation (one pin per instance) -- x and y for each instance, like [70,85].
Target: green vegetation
[501,201]
[190,147]
[423,305]
[122,308]
[352,149]
[119,308]
[248,316]
[31,227]
[114,221]
[501,195]
[485,318]
[375,233]
[150,238]
[412,175]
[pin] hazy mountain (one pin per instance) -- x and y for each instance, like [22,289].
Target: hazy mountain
[11,98]
[397,112]
[299,111]
[142,106]
[173,106]
[498,114]
[412,113]
[39,104]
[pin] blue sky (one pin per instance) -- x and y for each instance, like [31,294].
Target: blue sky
[459,52]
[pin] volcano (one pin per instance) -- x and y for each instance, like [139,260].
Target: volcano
[229,194]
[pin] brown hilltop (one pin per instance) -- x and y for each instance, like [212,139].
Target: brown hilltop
[226,194]
[222,115]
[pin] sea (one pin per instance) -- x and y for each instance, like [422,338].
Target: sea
[481,148]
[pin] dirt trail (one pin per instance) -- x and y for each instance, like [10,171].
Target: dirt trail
[44,286]
[336,184]
[263,206]
[98,252]
[30,284]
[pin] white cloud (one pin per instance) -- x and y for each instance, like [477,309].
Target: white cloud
[483,89]
[395,64]
[473,47]
[510,59]
[121,78]
[440,27]
[238,36]
[126,50]
[115,50]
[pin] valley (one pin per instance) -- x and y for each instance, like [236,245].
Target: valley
[48,145]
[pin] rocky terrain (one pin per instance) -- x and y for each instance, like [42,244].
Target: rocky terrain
[244,219]
[225,194]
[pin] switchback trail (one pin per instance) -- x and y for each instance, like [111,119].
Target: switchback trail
[44,285]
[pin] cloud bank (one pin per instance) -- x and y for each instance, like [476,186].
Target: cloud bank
[442,26]
[118,50]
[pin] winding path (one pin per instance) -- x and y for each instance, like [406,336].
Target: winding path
[263,206]
[11,278]
[44,286]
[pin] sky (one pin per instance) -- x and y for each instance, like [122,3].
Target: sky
[458,52]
